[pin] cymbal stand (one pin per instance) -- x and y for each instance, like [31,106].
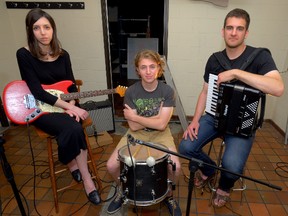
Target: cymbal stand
[9,176]
[193,169]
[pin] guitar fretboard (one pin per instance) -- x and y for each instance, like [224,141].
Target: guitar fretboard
[78,95]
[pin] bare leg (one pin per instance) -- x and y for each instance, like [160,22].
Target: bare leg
[72,165]
[113,166]
[81,161]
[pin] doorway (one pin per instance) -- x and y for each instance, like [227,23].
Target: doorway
[130,20]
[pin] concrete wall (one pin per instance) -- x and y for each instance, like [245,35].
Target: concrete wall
[195,33]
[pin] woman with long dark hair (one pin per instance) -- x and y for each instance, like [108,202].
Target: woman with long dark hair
[44,61]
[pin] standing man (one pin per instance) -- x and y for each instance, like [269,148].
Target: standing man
[261,74]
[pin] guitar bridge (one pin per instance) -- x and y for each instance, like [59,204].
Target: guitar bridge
[29,101]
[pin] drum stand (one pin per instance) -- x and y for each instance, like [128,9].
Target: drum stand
[9,176]
[193,169]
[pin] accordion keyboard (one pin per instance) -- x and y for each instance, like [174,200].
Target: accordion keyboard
[212,97]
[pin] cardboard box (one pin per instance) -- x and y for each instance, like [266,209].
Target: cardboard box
[102,139]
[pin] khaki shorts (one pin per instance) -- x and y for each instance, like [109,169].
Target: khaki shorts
[160,137]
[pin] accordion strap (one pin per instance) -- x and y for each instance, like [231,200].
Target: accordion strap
[222,59]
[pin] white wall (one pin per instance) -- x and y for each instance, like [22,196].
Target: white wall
[193,34]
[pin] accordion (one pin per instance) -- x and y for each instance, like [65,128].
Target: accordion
[235,107]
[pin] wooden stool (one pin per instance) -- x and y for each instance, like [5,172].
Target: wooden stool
[286,133]
[51,157]
[51,160]
[212,183]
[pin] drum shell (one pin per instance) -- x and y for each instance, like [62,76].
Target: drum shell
[147,180]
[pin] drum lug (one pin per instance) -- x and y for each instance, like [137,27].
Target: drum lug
[153,171]
[125,200]
[153,196]
[123,173]
[124,179]
[172,184]
[124,197]
[172,164]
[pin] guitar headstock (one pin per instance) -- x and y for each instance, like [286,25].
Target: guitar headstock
[121,90]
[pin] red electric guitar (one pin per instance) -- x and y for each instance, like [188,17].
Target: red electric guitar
[21,106]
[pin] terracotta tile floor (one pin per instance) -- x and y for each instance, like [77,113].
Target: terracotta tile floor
[267,163]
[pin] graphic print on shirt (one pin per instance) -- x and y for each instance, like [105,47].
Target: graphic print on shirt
[148,106]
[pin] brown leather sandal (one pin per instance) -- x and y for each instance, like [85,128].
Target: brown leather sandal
[199,182]
[220,200]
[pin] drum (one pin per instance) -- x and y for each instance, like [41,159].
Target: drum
[144,169]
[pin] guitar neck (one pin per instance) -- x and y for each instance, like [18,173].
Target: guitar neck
[78,95]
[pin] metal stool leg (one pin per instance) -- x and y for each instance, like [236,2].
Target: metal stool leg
[213,182]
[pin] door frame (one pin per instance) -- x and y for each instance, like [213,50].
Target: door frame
[106,40]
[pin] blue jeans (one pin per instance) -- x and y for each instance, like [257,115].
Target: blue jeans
[235,155]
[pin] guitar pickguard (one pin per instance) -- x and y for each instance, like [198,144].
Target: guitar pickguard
[48,108]
[31,103]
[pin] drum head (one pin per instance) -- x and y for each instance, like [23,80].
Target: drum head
[141,152]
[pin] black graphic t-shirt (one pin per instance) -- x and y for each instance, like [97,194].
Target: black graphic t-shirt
[148,103]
